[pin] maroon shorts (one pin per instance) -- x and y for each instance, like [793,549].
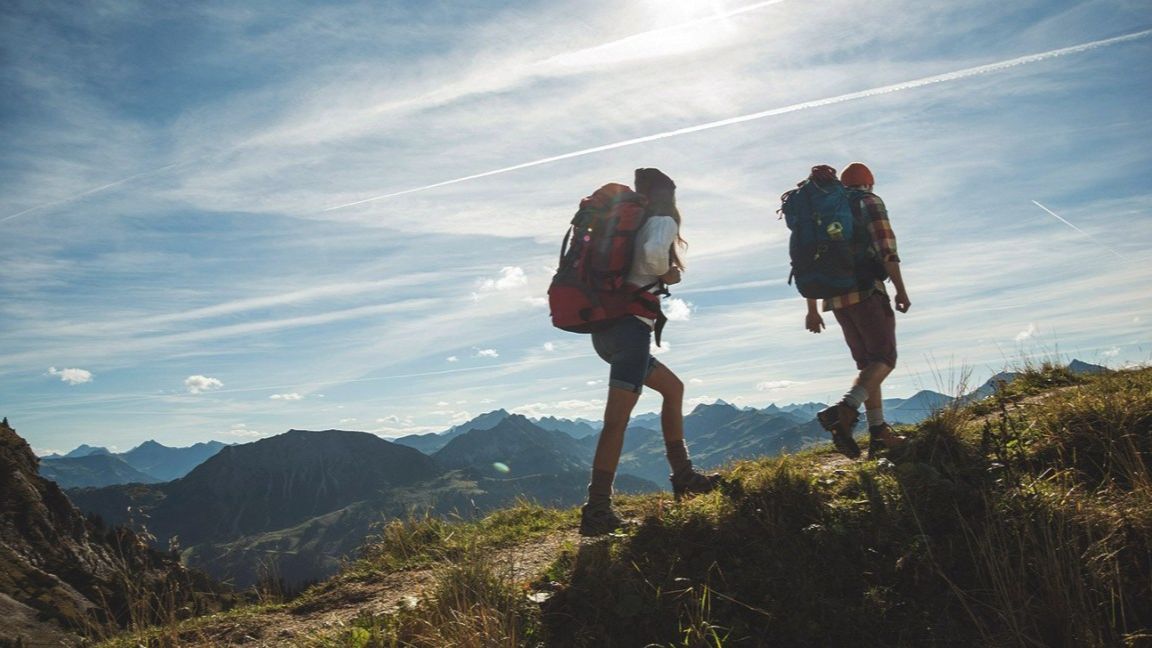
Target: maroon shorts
[870,330]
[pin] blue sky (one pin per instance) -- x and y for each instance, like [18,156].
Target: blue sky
[225,220]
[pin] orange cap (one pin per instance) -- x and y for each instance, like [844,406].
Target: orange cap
[856,174]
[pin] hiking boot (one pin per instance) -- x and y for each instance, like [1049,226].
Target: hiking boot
[693,483]
[599,519]
[839,419]
[882,437]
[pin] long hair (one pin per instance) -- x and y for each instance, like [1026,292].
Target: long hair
[661,193]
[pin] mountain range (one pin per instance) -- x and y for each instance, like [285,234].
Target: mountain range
[296,503]
[304,499]
[148,463]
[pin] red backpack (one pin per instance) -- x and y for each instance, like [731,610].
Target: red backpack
[588,292]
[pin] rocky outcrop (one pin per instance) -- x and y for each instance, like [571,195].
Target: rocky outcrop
[63,575]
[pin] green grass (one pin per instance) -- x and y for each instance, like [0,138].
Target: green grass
[1032,528]
[187,632]
[426,540]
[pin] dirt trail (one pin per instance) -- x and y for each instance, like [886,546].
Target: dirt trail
[296,624]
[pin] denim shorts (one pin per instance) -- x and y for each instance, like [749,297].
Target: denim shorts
[626,346]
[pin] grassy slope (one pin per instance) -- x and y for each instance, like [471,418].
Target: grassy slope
[1020,521]
[1031,525]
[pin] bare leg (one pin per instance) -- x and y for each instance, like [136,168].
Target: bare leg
[671,389]
[870,378]
[617,411]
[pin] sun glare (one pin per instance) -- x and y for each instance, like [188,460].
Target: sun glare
[676,27]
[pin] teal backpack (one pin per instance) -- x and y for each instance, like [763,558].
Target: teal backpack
[830,247]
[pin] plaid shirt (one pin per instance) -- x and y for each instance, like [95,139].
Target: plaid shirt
[873,212]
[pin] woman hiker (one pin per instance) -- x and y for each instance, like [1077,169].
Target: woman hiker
[625,346]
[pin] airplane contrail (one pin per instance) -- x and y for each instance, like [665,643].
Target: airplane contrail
[818,103]
[1086,234]
[89,192]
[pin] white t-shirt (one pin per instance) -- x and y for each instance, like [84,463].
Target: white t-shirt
[651,257]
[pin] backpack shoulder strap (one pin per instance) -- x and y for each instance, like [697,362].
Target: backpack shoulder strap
[856,201]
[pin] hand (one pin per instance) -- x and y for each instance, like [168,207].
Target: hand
[902,302]
[814,322]
[671,277]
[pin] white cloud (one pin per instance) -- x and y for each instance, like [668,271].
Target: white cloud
[536,302]
[775,385]
[398,426]
[453,359]
[1027,333]
[699,400]
[242,430]
[659,350]
[460,417]
[487,353]
[591,407]
[549,347]
[198,384]
[677,310]
[293,396]
[345,421]
[1112,353]
[510,277]
[592,383]
[695,381]
[71,376]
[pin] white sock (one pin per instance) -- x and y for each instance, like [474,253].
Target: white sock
[855,396]
[875,416]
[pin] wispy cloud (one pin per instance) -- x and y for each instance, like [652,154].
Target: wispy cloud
[775,385]
[773,112]
[195,234]
[679,38]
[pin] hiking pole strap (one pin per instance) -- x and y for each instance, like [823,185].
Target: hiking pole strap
[658,329]
[663,288]
[564,247]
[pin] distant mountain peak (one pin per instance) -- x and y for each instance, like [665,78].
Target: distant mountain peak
[84,450]
[1081,367]
[719,404]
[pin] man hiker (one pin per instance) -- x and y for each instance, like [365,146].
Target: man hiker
[868,323]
